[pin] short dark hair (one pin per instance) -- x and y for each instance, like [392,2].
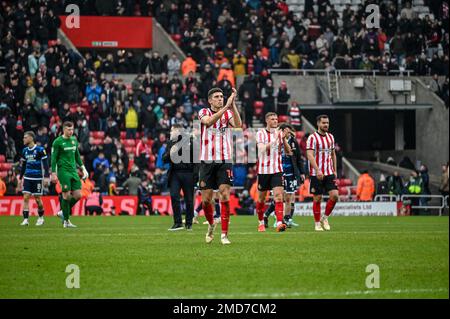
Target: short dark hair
[287,125]
[214,90]
[320,117]
[30,133]
[270,114]
[67,124]
[177,126]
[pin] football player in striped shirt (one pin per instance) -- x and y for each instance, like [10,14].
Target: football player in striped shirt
[320,151]
[34,172]
[293,177]
[270,142]
[215,169]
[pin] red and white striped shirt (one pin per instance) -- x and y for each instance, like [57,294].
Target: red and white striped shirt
[323,146]
[294,113]
[216,139]
[269,162]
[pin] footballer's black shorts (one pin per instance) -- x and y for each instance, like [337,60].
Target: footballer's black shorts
[267,182]
[32,186]
[290,184]
[327,184]
[212,175]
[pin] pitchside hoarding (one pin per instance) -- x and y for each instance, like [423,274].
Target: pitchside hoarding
[109,32]
[352,209]
[13,205]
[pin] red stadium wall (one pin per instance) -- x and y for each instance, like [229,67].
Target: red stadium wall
[110,32]
[13,205]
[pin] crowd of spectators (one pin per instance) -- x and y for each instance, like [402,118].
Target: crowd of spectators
[46,83]
[253,35]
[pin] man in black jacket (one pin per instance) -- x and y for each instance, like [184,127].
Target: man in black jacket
[178,153]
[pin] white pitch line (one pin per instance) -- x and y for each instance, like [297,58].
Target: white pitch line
[301,294]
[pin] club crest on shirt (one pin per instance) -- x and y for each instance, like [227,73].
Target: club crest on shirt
[73,142]
[312,190]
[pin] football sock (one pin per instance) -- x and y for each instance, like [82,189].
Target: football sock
[66,209]
[72,202]
[329,208]
[279,208]
[270,209]
[316,211]
[41,212]
[25,214]
[217,212]
[260,210]
[225,216]
[207,208]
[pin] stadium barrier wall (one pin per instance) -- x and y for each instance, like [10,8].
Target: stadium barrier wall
[13,205]
[110,32]
[352,209]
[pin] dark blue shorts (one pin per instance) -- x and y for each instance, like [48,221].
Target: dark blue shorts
[32,186]
[290,184]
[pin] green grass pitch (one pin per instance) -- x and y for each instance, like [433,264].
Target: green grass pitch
[136,257]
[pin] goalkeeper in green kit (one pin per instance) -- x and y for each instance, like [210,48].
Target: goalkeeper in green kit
[65,158]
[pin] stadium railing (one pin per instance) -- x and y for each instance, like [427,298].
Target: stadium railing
[341,72]
[390,198]
[438,207]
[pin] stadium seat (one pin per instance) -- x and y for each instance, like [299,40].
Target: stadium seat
[3,174]
[128,143]
[250,66]
[258,105]
[353,190]
[98,134]
[258,112]
[123,135]
[299,135]
[98,141]
[283,118]
[130,149]
[343,190]
[176,38]
[2,159]
[346,182]
[5,166]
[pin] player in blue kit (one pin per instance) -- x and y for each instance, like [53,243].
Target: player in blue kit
[34,172]
[293,176]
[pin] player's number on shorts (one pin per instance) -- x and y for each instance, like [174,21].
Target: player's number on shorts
[293,184]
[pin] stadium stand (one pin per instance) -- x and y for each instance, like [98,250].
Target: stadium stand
[45,83]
